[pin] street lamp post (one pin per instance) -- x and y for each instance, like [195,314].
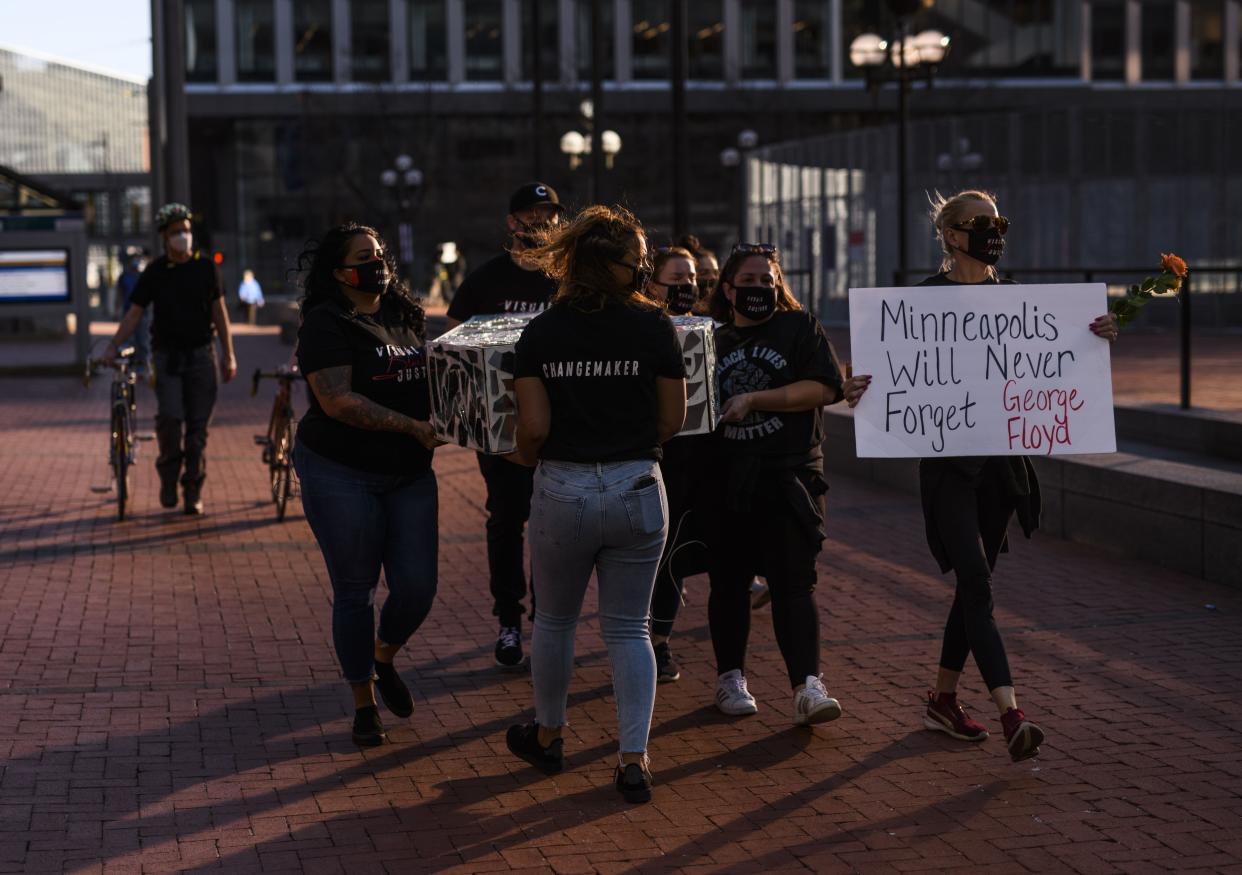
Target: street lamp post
[736,157]
[577,146]
[902,58]
[405,181]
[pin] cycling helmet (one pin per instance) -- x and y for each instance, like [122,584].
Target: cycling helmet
[170,213]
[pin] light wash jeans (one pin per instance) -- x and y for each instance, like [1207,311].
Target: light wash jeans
[596,517]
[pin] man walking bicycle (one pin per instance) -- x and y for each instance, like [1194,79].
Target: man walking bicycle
[184,291]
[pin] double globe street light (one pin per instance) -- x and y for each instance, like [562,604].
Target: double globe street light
[577,145]
[404,180]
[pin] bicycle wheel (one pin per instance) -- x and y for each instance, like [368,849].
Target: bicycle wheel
[280,424]
[283,466]
[120,461]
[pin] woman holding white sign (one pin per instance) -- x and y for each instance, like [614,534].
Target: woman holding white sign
[968,501]
[776,371]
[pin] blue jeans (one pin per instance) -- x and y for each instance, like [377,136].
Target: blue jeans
[596,517]
[363,522]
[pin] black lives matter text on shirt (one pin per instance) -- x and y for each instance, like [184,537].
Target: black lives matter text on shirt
[789,347]
[600,370]
[500,286]
[182,296]
[389,366]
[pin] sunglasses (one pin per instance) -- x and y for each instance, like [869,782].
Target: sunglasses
[982,223]
[753,249]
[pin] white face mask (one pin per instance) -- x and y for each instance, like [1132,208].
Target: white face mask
[180,242]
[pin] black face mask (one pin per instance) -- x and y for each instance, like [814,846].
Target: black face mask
[755,302]
[680,299]
[986,246]
[370,276]
[532,235]
[639,278]
[705,288]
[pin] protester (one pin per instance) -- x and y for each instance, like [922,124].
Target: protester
[600,384]
[250,295]
[363,456]
[186,297]
[969,501]
[125,285]
[776,371]
[706,267]
[509,283]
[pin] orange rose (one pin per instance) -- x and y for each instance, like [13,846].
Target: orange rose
[1173,264]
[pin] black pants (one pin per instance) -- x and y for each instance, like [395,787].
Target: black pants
[971,627]
[185,393]
[768,539]
[508,508]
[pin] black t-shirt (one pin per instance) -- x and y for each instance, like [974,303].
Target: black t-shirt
[942,279]
[389,364]
[183,295]
[789,347]
[500,286]
[600,371]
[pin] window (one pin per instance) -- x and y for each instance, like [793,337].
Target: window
[1207,39]
[428,47]
[483,43]
[705,31]
[256,61]
[368,24]
[1158,28]
[545,44]
[812,31]
[1108,39]
[200,40]
[582,35]
[312,40]
[758,39]
[652,32]
[1008,38]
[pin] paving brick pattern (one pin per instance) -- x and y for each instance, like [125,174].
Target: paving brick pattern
[169,700]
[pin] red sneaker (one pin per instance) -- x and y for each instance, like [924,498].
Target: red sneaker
[1022,736]
[944,714]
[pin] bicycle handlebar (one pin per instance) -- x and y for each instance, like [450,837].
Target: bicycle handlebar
[120,362]
[284,374]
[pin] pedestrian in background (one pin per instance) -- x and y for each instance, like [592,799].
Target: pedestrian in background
[183,289]
[126,283]
[600,384]
[509,283]
[706,267]
[363,456]
[250,295]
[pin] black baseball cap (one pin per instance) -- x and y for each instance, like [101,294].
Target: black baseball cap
[532,194]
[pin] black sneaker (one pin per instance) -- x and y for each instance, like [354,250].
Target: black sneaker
[392,690]
[523,740]
[509,647]
[634,783]
[368,730]
[666,670]
[168,494]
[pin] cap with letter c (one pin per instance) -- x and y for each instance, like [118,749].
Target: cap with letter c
[533,194]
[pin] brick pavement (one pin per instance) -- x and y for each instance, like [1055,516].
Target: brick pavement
[169,700]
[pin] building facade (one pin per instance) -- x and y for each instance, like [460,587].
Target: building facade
[296,107]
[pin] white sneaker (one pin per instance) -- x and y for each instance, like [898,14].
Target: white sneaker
[760,594]
[732,697]
[812,704]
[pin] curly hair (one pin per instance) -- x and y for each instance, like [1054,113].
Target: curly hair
[722,310]
[320,258]
[581,253]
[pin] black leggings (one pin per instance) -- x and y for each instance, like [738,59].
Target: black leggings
[768,540]
[971,627]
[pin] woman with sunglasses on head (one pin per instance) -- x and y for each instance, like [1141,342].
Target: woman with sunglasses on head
[776,371]
[968,501]
[363,456]
[600,384]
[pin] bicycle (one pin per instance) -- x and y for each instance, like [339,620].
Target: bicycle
[278,442]
[122,437]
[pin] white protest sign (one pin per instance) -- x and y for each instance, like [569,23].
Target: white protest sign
[981,370]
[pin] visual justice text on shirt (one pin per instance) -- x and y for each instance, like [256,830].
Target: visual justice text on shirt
[405,363]
[615,368]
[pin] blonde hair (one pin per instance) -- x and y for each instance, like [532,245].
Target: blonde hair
[946,212]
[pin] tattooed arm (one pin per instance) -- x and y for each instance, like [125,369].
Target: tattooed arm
[333,390]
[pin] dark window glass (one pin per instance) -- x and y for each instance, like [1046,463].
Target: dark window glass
[582,38]
[200,40]
[368,25]
[312,40]
[1007,38]
[256,59]
[483,42]
[1159,27]
[1207,39]
[1108,39]
[546,45]
[428,46]
[705,31]
[812,30]
[758,39]
[652,32]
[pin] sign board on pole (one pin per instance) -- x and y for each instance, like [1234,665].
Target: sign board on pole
[981,370]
